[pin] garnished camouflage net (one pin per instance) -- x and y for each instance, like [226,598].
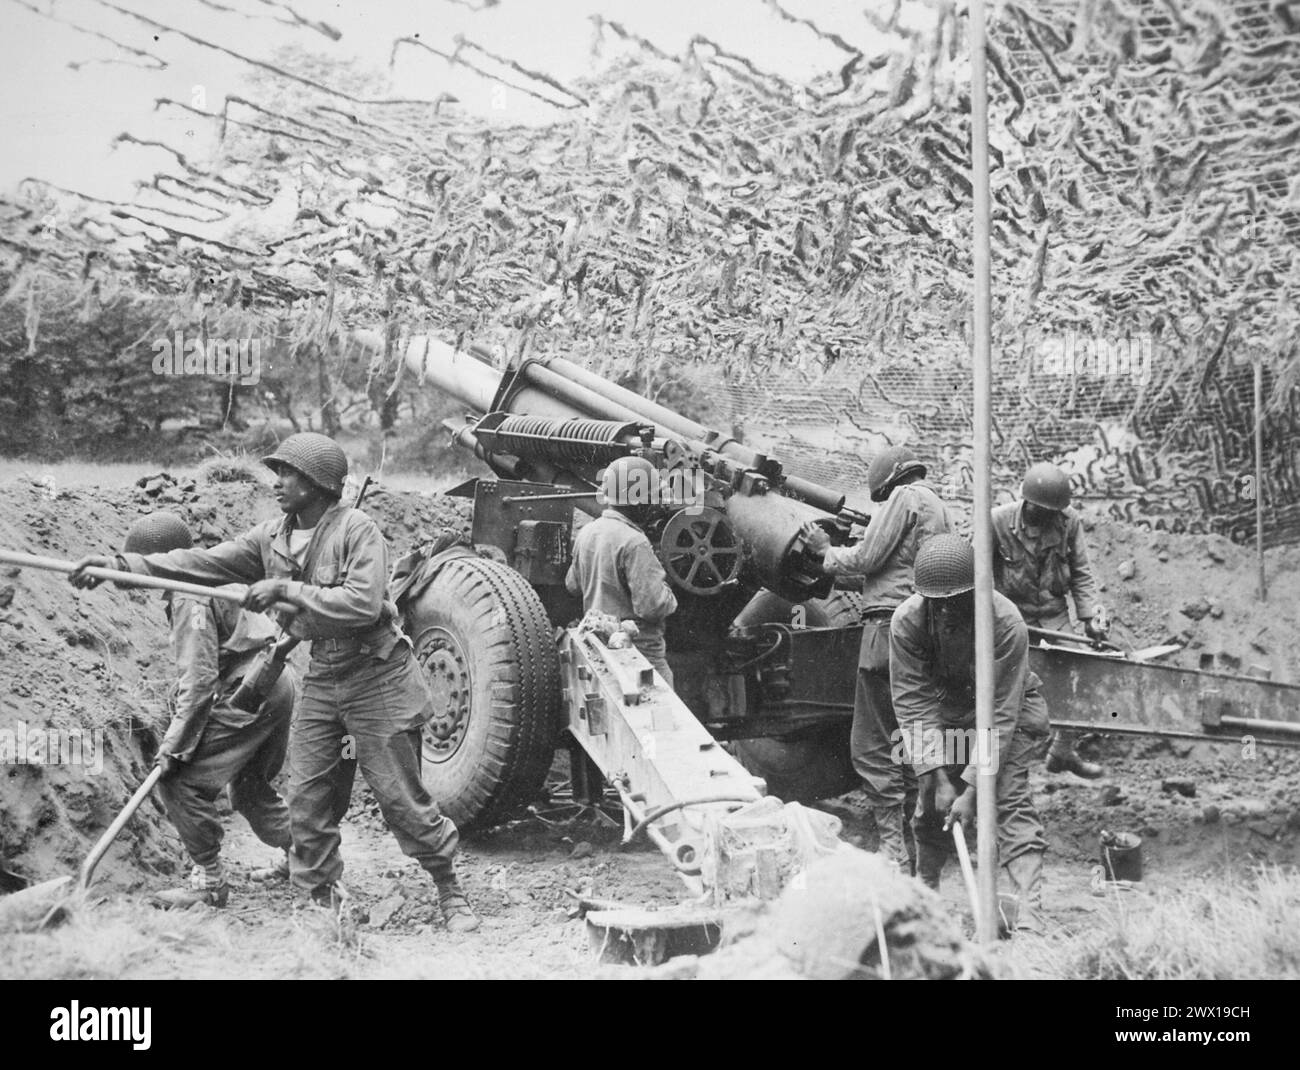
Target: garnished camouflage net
[797,254]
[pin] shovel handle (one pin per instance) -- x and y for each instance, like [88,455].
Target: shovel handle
[233,592]
[110,834]
[1071,637]
[967,871]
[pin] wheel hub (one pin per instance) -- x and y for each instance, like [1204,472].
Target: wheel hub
[447,670]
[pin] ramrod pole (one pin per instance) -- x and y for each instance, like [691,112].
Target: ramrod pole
[986,785]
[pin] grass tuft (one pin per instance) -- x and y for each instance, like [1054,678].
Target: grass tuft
[1233,929]
[130,939]
[231,468]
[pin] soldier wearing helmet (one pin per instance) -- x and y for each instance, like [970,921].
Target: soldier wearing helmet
[209,743]
[932,675]
[615,568]
[884,557]
[1041,558]
[330,562]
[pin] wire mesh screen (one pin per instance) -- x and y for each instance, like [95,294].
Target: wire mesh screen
[794,258]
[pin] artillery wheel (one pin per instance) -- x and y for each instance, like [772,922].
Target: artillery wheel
[813,765]
[488,652]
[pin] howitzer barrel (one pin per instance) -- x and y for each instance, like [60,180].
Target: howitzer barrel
[813,493]
[771,524]
[561,388]
[466,378]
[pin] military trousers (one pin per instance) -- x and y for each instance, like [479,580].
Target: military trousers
[1019,828]
[356,703]
[875,741]
[247,757]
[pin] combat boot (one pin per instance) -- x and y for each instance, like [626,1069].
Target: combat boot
[893,842]
[458,915]
[1063,758]
[333,897]
[277,872]
[1026,873]
[204,889]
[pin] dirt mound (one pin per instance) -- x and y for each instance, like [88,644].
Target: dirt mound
[828,925]
[1200,591]
[407,520]
[87,673]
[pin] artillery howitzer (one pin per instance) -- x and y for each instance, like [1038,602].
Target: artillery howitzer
[763,650]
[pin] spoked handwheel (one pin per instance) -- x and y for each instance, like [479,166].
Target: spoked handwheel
[700,550]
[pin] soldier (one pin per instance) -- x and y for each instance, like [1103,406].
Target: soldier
[331,563]
[614,566]
[210,744]
[1040,558]
[932,674]
[885,556]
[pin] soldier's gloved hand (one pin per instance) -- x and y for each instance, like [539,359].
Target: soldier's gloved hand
[264,594]
[816,541]
[962,809]
[169,765]
[78,578]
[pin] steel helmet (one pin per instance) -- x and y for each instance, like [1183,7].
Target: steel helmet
[157,533]
[630,481]
[888,468]
[1046,485]
[945,566]
[317,457]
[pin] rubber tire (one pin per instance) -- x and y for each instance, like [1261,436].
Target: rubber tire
[514,683]
[816,765]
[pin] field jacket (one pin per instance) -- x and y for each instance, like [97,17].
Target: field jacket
[616,572]
[932,678]
[1037,567]
[347,595]
[887,552]
[212,642]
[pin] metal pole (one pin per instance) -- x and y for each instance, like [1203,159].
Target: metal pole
[986,926]
[1259,477]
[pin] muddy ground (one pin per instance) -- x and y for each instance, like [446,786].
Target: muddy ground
[97,661]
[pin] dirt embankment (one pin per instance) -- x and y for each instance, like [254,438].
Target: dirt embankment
[98,661]
[93,666]
[1200,591]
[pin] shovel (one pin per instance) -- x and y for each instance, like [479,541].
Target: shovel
[231,592]
[1104,646]
[37,906]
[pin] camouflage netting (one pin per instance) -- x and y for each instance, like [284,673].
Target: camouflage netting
[800,254]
